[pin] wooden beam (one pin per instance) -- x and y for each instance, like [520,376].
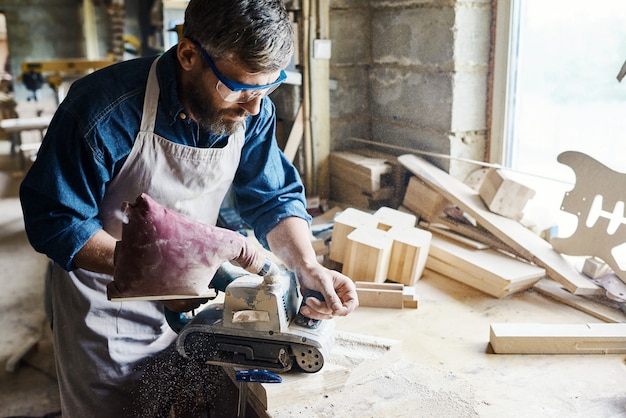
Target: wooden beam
[531,338]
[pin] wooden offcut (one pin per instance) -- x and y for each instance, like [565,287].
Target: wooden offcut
[367,255]
[504,196]
[423,200]
[409,252]
[537,338]
[386,295]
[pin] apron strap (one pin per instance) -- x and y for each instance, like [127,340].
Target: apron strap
[151,100]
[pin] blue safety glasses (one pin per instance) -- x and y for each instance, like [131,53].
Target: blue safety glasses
[234,92]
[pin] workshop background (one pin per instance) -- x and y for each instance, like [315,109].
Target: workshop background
[383,75]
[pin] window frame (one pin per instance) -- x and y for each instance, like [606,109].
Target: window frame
[504,77]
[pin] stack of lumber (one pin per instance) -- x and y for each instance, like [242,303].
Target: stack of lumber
[366,179]
[517,239]
[487,270]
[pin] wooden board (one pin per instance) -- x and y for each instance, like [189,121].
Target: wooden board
[512,233]
[531,338]
[599,310]
[487,270]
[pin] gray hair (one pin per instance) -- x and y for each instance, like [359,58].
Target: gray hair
[256,33]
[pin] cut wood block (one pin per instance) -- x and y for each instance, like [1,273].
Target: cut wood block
[503,195]
[389,217]
[346,222]
[423,200]
[386,295]
[364,172]
[487,270]
[408,254]
[367,255]
[595,268]
[524,242]
[530,338]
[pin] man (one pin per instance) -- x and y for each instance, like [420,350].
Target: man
[183,128]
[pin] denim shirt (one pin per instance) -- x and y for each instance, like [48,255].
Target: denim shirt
[91,135]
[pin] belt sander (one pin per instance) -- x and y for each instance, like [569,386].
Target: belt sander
[257,326]
[166,255]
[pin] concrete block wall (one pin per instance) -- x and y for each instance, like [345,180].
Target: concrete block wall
[413,74]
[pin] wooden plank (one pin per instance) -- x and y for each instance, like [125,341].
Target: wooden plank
[509,231]
[381,296]
[479,283]
[489,265]
[479,234]
[295,135]
[443,230]
[386,295]
[532,338]
[599,310]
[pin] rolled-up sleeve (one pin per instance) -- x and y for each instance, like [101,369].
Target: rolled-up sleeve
[267,186]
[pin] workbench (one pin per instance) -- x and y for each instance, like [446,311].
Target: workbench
[443,365]
[15,127]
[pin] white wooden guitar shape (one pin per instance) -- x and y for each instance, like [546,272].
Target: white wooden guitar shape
[597,199]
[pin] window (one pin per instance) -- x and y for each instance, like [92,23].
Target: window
[556,87]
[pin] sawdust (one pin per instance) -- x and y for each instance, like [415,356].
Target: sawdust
[173,386]
[401,390]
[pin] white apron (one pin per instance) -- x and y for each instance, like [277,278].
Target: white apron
[99,343]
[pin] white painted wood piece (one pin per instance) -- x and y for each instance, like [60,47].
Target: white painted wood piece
[539,338]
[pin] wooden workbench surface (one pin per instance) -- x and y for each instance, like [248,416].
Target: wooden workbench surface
[444,365]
